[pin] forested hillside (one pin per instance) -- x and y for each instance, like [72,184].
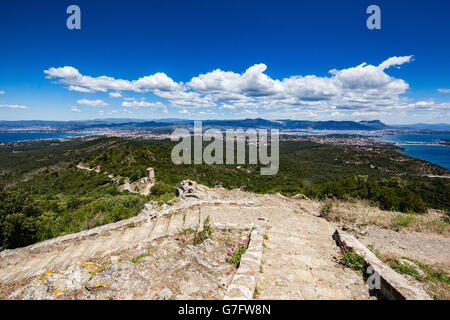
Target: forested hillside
[44,194]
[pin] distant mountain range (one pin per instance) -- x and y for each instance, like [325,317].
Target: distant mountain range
[138,124]
[298,124]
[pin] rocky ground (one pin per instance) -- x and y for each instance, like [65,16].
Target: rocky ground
[167,268]
[419,245]
[432,249]
[424,237]
[152,257]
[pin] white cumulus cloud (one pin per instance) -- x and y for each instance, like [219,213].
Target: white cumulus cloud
[93,103]
[79,89]
[71,76]
[115,94]
[14,106]
[138,104]
[362,90]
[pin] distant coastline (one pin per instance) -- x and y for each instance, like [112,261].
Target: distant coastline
[432,147]
[423,144]
[20,135]
[426,146]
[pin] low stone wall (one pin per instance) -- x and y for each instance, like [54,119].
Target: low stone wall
[393,286]
[243,284]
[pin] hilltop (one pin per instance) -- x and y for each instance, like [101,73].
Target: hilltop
[67,199]
[155,255]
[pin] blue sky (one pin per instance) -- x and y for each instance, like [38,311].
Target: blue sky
[225,59]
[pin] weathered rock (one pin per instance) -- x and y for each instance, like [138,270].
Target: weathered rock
[114,259]
[209,245]
[300,196]
[188,188]
[192,195]
[165,294]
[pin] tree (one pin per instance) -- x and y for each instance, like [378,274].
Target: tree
[18,219]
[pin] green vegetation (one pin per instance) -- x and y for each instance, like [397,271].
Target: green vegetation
[18,219]
[66,219]
[350,259]
[236,254]
[160,189]
[429,273]
[256,293]
[402,221]
[405,269]
[186,231]
[437,282]
[325,208]
[138,257]
[24,220]
[389,194]
[59,199]
[199,236]
[205,233]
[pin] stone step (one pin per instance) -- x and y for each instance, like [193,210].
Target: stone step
[68,252]
[192,218]
[176,223]
[97,247]
[160,227]
[46,260]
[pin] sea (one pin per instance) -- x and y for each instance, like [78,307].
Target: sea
[10,136]
[424,148]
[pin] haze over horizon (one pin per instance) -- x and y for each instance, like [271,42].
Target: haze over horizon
[169,120]
[146,60]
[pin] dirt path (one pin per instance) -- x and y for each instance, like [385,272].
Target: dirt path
[126,186]
[81,167]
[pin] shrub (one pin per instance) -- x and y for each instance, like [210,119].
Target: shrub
[236,251]
[405,269]
[325,208]
[103,210]
[18,219]
[162,188]
[206,232]
[388,194]
[350,259]
[430,273]
[402,221]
